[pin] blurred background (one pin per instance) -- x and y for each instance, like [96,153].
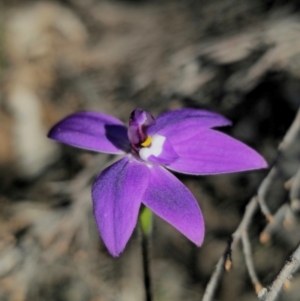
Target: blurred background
[238,58]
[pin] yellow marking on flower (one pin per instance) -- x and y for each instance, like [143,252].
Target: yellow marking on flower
[147,142]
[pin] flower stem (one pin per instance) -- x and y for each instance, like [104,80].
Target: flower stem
[146,266]
[146,229]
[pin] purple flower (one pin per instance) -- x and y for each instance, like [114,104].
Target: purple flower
[180,140]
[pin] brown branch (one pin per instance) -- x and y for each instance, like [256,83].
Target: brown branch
[213,282]
[284,275]
[295,192]
[290,218]
[262,192]
[251,208]
[225,259]
[249,262]
[274,225]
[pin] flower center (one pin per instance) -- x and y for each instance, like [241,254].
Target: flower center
[155,149]
[137,131]
[147,142]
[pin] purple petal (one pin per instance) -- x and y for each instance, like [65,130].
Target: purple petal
[117,195]
[212,152]
[92,131]
[160,151]
[167,197]
[172,121]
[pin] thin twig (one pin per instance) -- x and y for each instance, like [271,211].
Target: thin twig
[251,208]
[262,192]
[290,218]
[265,209]
[295,192]
[289,268]
[213,282]
[291,134]
[274,225]
[249,262]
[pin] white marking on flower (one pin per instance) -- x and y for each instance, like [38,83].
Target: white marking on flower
[154,149]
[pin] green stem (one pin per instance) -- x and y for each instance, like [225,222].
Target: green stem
[146,229]
[146,267]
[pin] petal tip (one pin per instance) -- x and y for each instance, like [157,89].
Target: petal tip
[114,250]
[199,244]
[114,253]
[200,239]
[52,133]
[196,239]
[264,164]
[260,163]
